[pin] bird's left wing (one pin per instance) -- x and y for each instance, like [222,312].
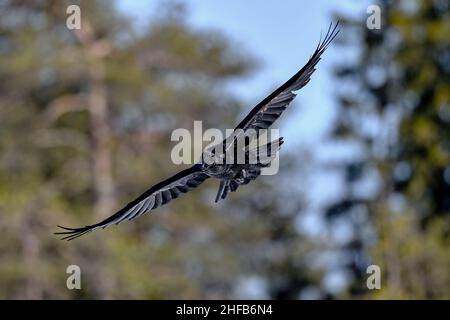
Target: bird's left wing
[151,199]
[263,115]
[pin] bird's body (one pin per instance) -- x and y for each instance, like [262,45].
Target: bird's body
[231,175]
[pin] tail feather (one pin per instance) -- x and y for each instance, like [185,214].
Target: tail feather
[221,190]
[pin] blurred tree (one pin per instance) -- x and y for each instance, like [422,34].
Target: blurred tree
[395,106]
[85,124]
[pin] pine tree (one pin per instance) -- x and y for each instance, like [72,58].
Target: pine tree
[395,107]
[85,123]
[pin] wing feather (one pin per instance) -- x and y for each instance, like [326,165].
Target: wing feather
[151,199]
[263,115]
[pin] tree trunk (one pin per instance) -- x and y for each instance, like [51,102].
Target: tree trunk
[101,133]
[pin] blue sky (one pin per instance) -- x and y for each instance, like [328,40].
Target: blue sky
[282,35]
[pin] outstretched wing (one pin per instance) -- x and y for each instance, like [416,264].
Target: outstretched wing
[269,110]
[151,199]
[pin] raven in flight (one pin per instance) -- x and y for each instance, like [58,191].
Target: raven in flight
[231,176]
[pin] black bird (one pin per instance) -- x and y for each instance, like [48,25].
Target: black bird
[231,176]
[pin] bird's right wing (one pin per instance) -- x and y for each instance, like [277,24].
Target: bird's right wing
[151,199]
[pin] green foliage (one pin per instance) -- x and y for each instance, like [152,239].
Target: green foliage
[85,124]
[410,211]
